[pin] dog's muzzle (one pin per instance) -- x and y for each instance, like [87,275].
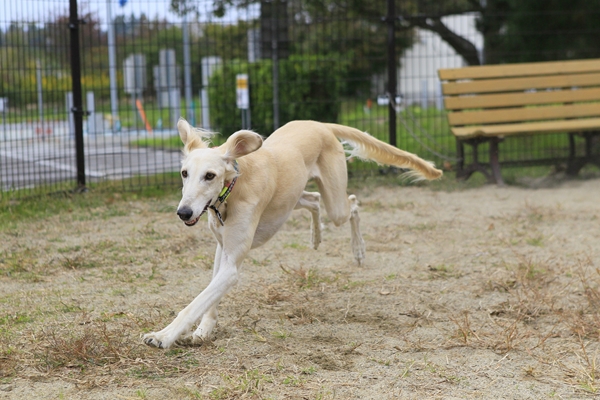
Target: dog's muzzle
[185,214]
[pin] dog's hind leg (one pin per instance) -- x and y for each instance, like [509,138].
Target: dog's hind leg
[310,202]
[358,244]
[332,179]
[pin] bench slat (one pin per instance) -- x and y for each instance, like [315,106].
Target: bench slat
[521,99]
[577,125]
[521,69]
[521,114]
[515,84]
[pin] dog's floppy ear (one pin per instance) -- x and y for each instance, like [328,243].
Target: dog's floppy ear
[191,137]
[242,143]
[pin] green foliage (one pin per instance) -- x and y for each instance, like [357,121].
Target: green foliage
[309,88]
[547,30]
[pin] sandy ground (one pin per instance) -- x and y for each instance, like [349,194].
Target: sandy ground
[480,293]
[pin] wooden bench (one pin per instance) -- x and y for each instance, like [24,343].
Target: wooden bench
[490,103]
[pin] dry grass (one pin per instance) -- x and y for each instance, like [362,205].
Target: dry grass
[505,304]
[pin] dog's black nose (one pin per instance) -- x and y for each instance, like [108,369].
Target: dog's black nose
[185,213]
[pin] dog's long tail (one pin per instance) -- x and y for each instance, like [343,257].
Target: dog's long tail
[367,147]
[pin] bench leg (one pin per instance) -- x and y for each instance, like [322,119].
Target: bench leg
[464,173]
[576,164]
[591,158]
[460,154]
[495,162]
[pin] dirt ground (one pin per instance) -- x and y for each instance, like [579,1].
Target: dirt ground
[481,293]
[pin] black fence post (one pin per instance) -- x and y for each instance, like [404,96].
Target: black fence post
[392,68]
[77,109]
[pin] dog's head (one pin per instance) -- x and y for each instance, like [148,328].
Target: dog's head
[205,170]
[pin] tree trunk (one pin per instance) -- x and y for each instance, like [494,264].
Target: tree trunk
[462,46]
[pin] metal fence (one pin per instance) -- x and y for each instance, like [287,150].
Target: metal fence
[90,91]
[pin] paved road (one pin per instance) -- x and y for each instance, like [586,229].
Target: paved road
[45,159]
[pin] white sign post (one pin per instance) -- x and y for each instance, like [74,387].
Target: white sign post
[243,98]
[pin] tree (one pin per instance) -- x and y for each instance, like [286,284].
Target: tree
[544,30]
[424,14]
[513,30]
[516,30]
[353,30]
[310,88]
[57,37]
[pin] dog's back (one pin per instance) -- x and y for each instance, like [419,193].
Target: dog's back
[305,140]
[309,149]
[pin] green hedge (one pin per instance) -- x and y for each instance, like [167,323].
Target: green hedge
[309,88]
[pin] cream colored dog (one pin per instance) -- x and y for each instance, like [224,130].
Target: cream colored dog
[261,193]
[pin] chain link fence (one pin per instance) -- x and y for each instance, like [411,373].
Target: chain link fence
[90,91]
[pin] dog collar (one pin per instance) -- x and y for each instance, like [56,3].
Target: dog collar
[224,194]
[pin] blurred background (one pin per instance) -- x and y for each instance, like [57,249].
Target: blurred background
[91,90]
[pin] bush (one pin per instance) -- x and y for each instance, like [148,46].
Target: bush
[309,88]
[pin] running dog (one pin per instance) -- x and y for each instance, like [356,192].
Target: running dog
[249,188]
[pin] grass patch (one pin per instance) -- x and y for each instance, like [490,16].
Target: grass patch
[170,142]
[103,200]
[20,264]
[250,384]
[305,278]
[79,262]
[442,271]
[15,319]
[161,143]
[95,346]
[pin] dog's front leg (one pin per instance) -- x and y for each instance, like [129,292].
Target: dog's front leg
[224,279]
[209,319]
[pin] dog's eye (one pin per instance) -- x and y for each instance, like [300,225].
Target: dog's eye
[184,173]
[209,176]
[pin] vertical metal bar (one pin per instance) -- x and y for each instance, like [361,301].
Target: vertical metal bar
[77,109]
[275,87]
[392,68]
[460,154]
[275,58]
[112,71]
[187,72]
[38,75]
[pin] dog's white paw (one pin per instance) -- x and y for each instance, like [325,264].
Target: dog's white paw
[208,323]
[190,340]
[199,337]
[158,339]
